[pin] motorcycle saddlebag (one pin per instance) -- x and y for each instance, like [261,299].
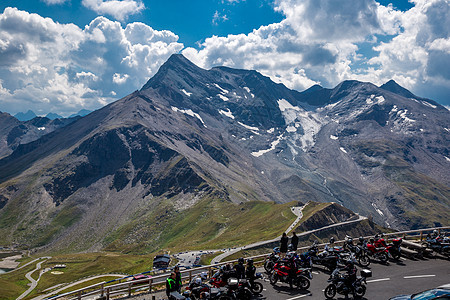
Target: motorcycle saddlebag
[366,273]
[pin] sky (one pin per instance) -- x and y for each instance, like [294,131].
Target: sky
[62,56]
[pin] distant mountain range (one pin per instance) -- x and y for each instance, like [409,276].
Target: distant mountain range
[131,171]
[27,116]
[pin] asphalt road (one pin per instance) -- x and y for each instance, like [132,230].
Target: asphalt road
[405,277]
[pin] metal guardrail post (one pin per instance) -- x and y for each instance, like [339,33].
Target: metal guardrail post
[102,290]
[150,283]
[421,235]
[107,294]
[129,289]
[79,295]
[190,276]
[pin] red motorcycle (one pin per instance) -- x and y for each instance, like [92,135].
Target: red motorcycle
[393,248]
[292,275]
[380,253]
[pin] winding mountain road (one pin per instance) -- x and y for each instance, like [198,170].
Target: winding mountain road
[31,279]
[297,211]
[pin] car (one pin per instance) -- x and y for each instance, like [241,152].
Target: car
[440,293]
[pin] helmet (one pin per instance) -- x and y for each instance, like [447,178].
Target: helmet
[197,281]
[290,247]
[348,238]
[249,261]
[372,240]
[203,275]
[377,236]
[276,249]
[435,232]
[361,239]
[241,260]
[332,240]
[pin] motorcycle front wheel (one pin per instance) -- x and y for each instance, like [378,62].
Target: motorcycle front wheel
[383,257]
[257,287]
[303,283]
[268,266]
[330,291]
[359,292]
[364,260]
[244,294]
[273,278]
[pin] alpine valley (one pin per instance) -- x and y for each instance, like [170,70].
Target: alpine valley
[195,148]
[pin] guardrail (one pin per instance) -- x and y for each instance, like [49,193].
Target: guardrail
[127,288]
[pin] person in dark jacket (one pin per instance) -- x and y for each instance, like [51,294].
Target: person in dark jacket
[240,269]
[283,245]
[171,285]
[250,271]
[294,241]
[178,281]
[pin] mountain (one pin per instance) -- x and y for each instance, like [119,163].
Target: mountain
[25,116]
[81,113]
[15,132]
[196,144]
[53,116]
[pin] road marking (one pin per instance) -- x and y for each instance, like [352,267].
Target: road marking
[418,276]
[317,273]
[376,280]
[301,296]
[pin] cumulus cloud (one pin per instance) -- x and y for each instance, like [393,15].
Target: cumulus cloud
[47,66]
[322,41]
[119,9]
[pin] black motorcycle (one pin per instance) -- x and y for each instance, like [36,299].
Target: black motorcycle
[325,258]
[438,244]
[358,251]
[339,284]
[271,260]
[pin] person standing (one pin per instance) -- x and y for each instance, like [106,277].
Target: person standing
[178,281]
[283,245]
[294,241]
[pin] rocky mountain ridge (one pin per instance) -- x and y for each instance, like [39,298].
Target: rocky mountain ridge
[192,135]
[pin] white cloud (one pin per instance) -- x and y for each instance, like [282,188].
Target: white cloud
[120,78]
[119,9]
[52,2]
[218,17]
[321,41]
[74,68]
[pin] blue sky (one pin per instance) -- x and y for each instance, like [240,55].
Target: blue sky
[64,55]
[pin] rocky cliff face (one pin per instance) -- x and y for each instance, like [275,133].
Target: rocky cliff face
[229,135]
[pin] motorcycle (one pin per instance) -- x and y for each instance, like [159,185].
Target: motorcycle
[358,252]
[325,258]
[271,260]
[238,289]
[298,277]
[254,286]
[393,248]
[338,283]
[438,244]
[379,253]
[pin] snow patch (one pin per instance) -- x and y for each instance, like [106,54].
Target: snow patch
[284,105]
[248,91]
[41,128]
[227,113]
[448,159]
[448,130]
[249,127]
[333,137]
[343,150]
[379,99]
[271,130]
[189,112]
[428,104]
[377,209]
[224,91]
[223,97]
[272,147]
[291,129]
[186,93]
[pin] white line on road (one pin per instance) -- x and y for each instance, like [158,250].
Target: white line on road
[376,280]
[298,297]
[418,276]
